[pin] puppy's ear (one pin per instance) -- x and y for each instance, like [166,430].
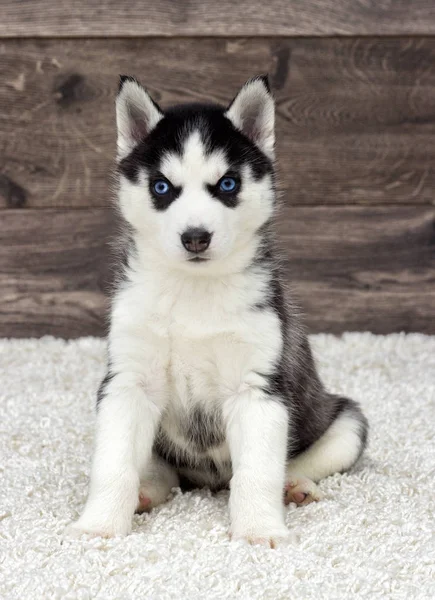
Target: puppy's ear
[253,112]
[136,114]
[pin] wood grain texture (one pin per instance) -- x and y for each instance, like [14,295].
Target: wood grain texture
[53,268]
[362,268]
[353,268]
[355,118]
[225,18]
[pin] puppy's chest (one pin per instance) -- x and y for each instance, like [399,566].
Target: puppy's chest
[208,359]
[213,352]
[209,350]
[200,378]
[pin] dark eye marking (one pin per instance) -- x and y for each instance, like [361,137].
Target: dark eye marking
[163,193]
[226,189]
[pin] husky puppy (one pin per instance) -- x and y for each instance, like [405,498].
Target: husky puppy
[210,379]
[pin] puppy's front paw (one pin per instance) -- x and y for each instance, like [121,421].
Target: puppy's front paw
[97,528]
[270,537]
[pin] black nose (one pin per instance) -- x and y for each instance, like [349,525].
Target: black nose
[196,239]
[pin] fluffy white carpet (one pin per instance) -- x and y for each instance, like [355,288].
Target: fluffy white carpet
[371,537]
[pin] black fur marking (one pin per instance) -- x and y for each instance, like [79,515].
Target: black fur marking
[228,199]
[203,430]
[162,202]
[194,470]
[205,475]
[123,79]
[103,385]
[217,133]
[265,79]
[129,167]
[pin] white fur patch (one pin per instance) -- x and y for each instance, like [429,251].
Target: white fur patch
[194,166]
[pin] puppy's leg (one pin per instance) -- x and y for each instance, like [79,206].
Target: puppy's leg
[257,436]
[156,483]
[126,425]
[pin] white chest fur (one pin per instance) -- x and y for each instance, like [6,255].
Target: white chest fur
[194,341]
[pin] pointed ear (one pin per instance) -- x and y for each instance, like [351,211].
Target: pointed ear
[136,114]
[253,112]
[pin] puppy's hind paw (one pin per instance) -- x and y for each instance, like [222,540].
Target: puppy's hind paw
[269,539]
[301,491]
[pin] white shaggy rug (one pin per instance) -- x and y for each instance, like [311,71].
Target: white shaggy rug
[371,537]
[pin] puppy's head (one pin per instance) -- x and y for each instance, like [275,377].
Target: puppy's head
[196,181]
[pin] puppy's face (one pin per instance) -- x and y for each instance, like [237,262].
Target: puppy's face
[196,182]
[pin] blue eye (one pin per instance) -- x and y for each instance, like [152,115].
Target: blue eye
[161,187]
[227,184]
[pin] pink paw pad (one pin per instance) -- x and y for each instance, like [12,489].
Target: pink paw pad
[301,491]
[144,503]
[298,497]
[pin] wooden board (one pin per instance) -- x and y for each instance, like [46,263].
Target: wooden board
[53,266]
[225,18]
[356,118]
[362,268]
[353,268]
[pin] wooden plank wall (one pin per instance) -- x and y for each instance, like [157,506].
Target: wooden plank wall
[356,151]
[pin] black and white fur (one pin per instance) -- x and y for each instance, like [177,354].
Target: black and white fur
[210,377]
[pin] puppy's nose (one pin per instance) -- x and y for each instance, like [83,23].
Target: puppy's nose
[196,239]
